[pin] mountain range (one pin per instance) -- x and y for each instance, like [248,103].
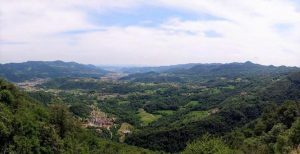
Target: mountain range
[18,72]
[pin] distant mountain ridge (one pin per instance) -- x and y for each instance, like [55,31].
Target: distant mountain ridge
[236,69]
[210,70]
[131,70]
[18,72]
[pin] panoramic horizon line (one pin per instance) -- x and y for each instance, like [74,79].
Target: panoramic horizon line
[141,65]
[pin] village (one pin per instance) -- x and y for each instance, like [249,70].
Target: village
[99,119]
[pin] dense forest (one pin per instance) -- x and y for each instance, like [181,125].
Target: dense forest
[192,108]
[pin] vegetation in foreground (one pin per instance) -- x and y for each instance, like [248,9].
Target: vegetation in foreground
[231,108]
[28,127]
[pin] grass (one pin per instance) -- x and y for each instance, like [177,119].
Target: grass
[146,117]
[150,91]
[214,91]
[194,116]
[123,102]
[165,112]
[230,87]
[192,104]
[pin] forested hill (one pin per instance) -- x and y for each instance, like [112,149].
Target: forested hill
[236,69]
[210,71]
[131,70]
[18,72]
[263,119]
[26,126]
[208,108]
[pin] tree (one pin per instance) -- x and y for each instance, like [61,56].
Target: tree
[62,119]
[207,145]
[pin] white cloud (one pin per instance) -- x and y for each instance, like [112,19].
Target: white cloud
[248,33]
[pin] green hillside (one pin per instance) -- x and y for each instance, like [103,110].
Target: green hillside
[26,126]
[232,108]
[18,72]
[258,112]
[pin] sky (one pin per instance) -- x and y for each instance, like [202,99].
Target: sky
[155,32]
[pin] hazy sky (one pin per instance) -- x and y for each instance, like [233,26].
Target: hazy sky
[151,32]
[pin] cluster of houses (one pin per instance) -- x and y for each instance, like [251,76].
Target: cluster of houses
[30,84]
[99,119]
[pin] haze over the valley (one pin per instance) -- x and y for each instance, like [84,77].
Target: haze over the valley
[157,32]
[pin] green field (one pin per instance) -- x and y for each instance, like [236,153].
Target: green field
[192,104]
[146,117]
[194,116]
[123,102]
[230,87]
[165,112]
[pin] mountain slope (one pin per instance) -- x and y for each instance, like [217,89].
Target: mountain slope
[234,112]
[131,70]
[284,89]
[237,69]
[18,72]
[209,71]
[28,127]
